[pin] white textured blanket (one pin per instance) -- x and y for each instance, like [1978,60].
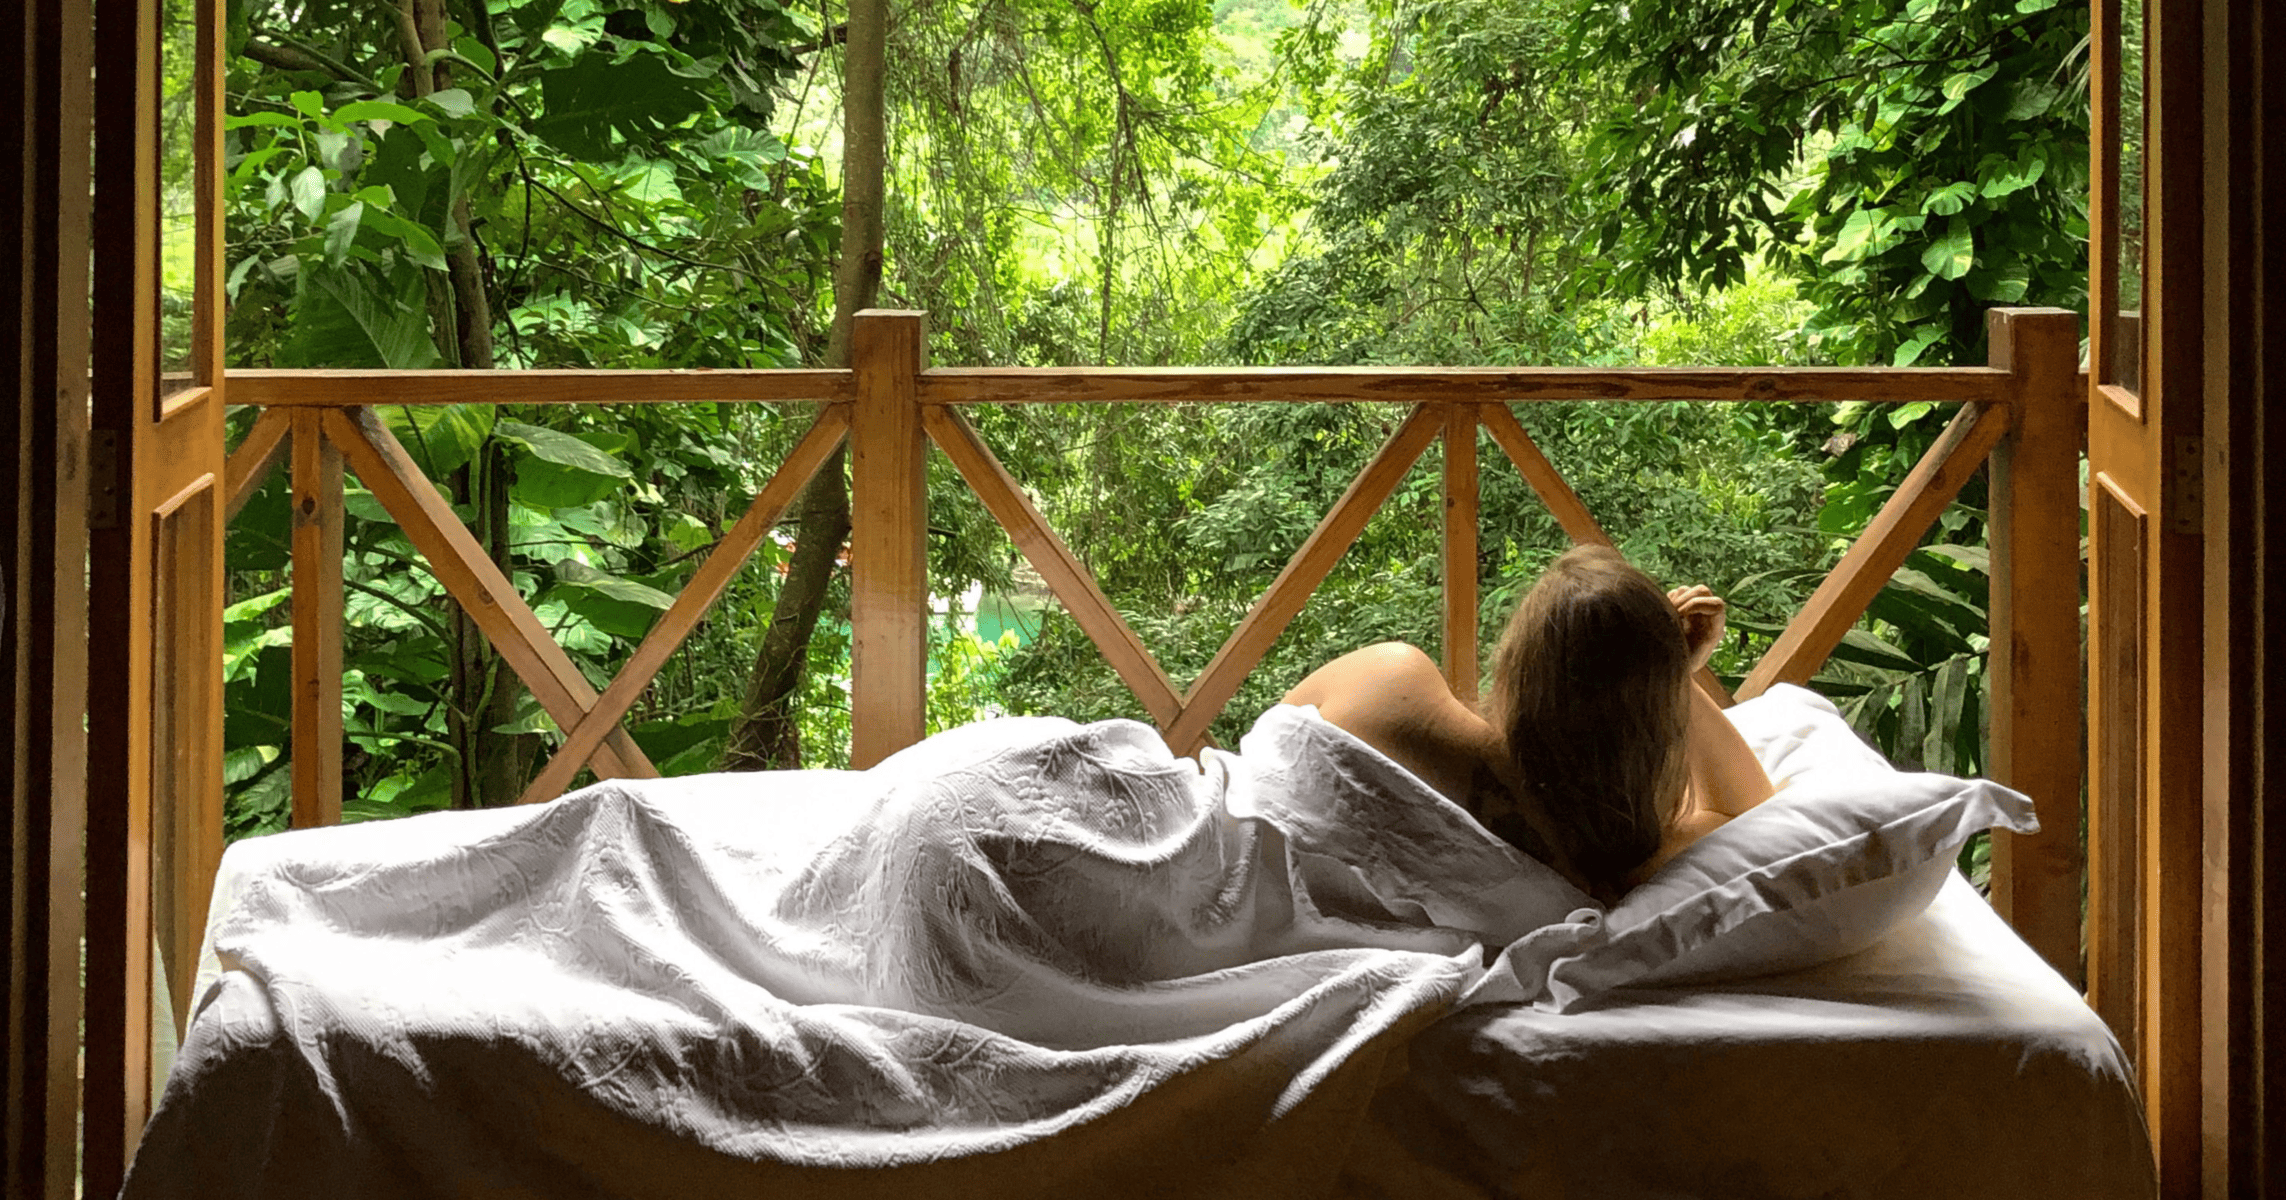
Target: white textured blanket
[1022,958]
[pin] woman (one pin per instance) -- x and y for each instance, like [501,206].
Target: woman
[1596,753]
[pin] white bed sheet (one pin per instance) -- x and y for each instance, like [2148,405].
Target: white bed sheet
[1946,1060]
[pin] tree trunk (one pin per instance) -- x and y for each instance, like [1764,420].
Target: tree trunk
[493,765]
[421,29]
[767,733]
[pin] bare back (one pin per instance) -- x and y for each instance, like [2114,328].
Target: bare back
[1391,696]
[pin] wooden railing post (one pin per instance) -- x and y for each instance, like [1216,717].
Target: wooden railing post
[2034,668]
[1460,551]
[889,578]
[317,605]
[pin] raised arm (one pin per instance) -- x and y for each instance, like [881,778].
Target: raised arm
[1726,778]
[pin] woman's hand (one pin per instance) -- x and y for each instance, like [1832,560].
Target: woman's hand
[1701,612]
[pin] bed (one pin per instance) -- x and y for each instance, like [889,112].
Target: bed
[1035,958]
[1945,1060]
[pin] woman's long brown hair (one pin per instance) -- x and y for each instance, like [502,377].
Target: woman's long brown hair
[1588,690]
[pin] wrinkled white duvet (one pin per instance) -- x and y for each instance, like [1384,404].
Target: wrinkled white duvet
[1022,958]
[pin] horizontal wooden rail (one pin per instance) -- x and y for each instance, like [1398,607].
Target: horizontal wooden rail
[1464,385]
[1108,385]
[364,389]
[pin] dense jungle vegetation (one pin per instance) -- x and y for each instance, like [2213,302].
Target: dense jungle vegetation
[660,183]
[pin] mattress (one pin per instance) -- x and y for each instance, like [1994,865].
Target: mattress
[1946,1060]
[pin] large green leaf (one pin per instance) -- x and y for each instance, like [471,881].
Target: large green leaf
[563,449]
[379,110]
[2002,177]
[558,469]
[308,190]
[618,606]
[588,102]
[1949,199]
[1968,558]
[1966,612]
[351,316]
[441,437]
[1951,256]
[1948,699]
[695,737]
[260,711]
[455,102]
[1863,648]
[400,164]
[1912,722]
[341,232]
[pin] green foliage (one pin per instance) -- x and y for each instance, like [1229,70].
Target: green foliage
[649,490]
[615,167]
[1913,163]
[1446,227]
[1076,183]
[1147,182]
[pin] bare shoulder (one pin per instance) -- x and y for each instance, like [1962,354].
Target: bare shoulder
[1393,697]
[1377,679]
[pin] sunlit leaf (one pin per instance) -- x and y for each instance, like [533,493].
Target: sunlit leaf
[441,437]
[308,191]
[255,119]
[563,449]
[1953,253]
[341,231]
[1949,199]
[379,110]
[455,102]
[615,605]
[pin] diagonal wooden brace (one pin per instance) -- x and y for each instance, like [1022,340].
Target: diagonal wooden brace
[249,466]
[471,577]
[691,604]
[1564,504]
[1054,560]
[1308,568]
[1892,534]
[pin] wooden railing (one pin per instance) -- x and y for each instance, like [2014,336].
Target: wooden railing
[2022,412]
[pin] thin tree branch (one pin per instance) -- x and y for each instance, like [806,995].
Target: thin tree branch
[290,55]
[831,37]
[615,230]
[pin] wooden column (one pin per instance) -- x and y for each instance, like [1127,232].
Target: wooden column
[2242,1059]
[1460,551]
[888,555]
[124,388]
[43,641]
[317,605]
[2034,667]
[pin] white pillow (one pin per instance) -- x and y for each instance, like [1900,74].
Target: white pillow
[1846,849]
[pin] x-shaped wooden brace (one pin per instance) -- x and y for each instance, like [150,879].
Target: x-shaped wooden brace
[470,576]
[1183,717]
[591,722]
